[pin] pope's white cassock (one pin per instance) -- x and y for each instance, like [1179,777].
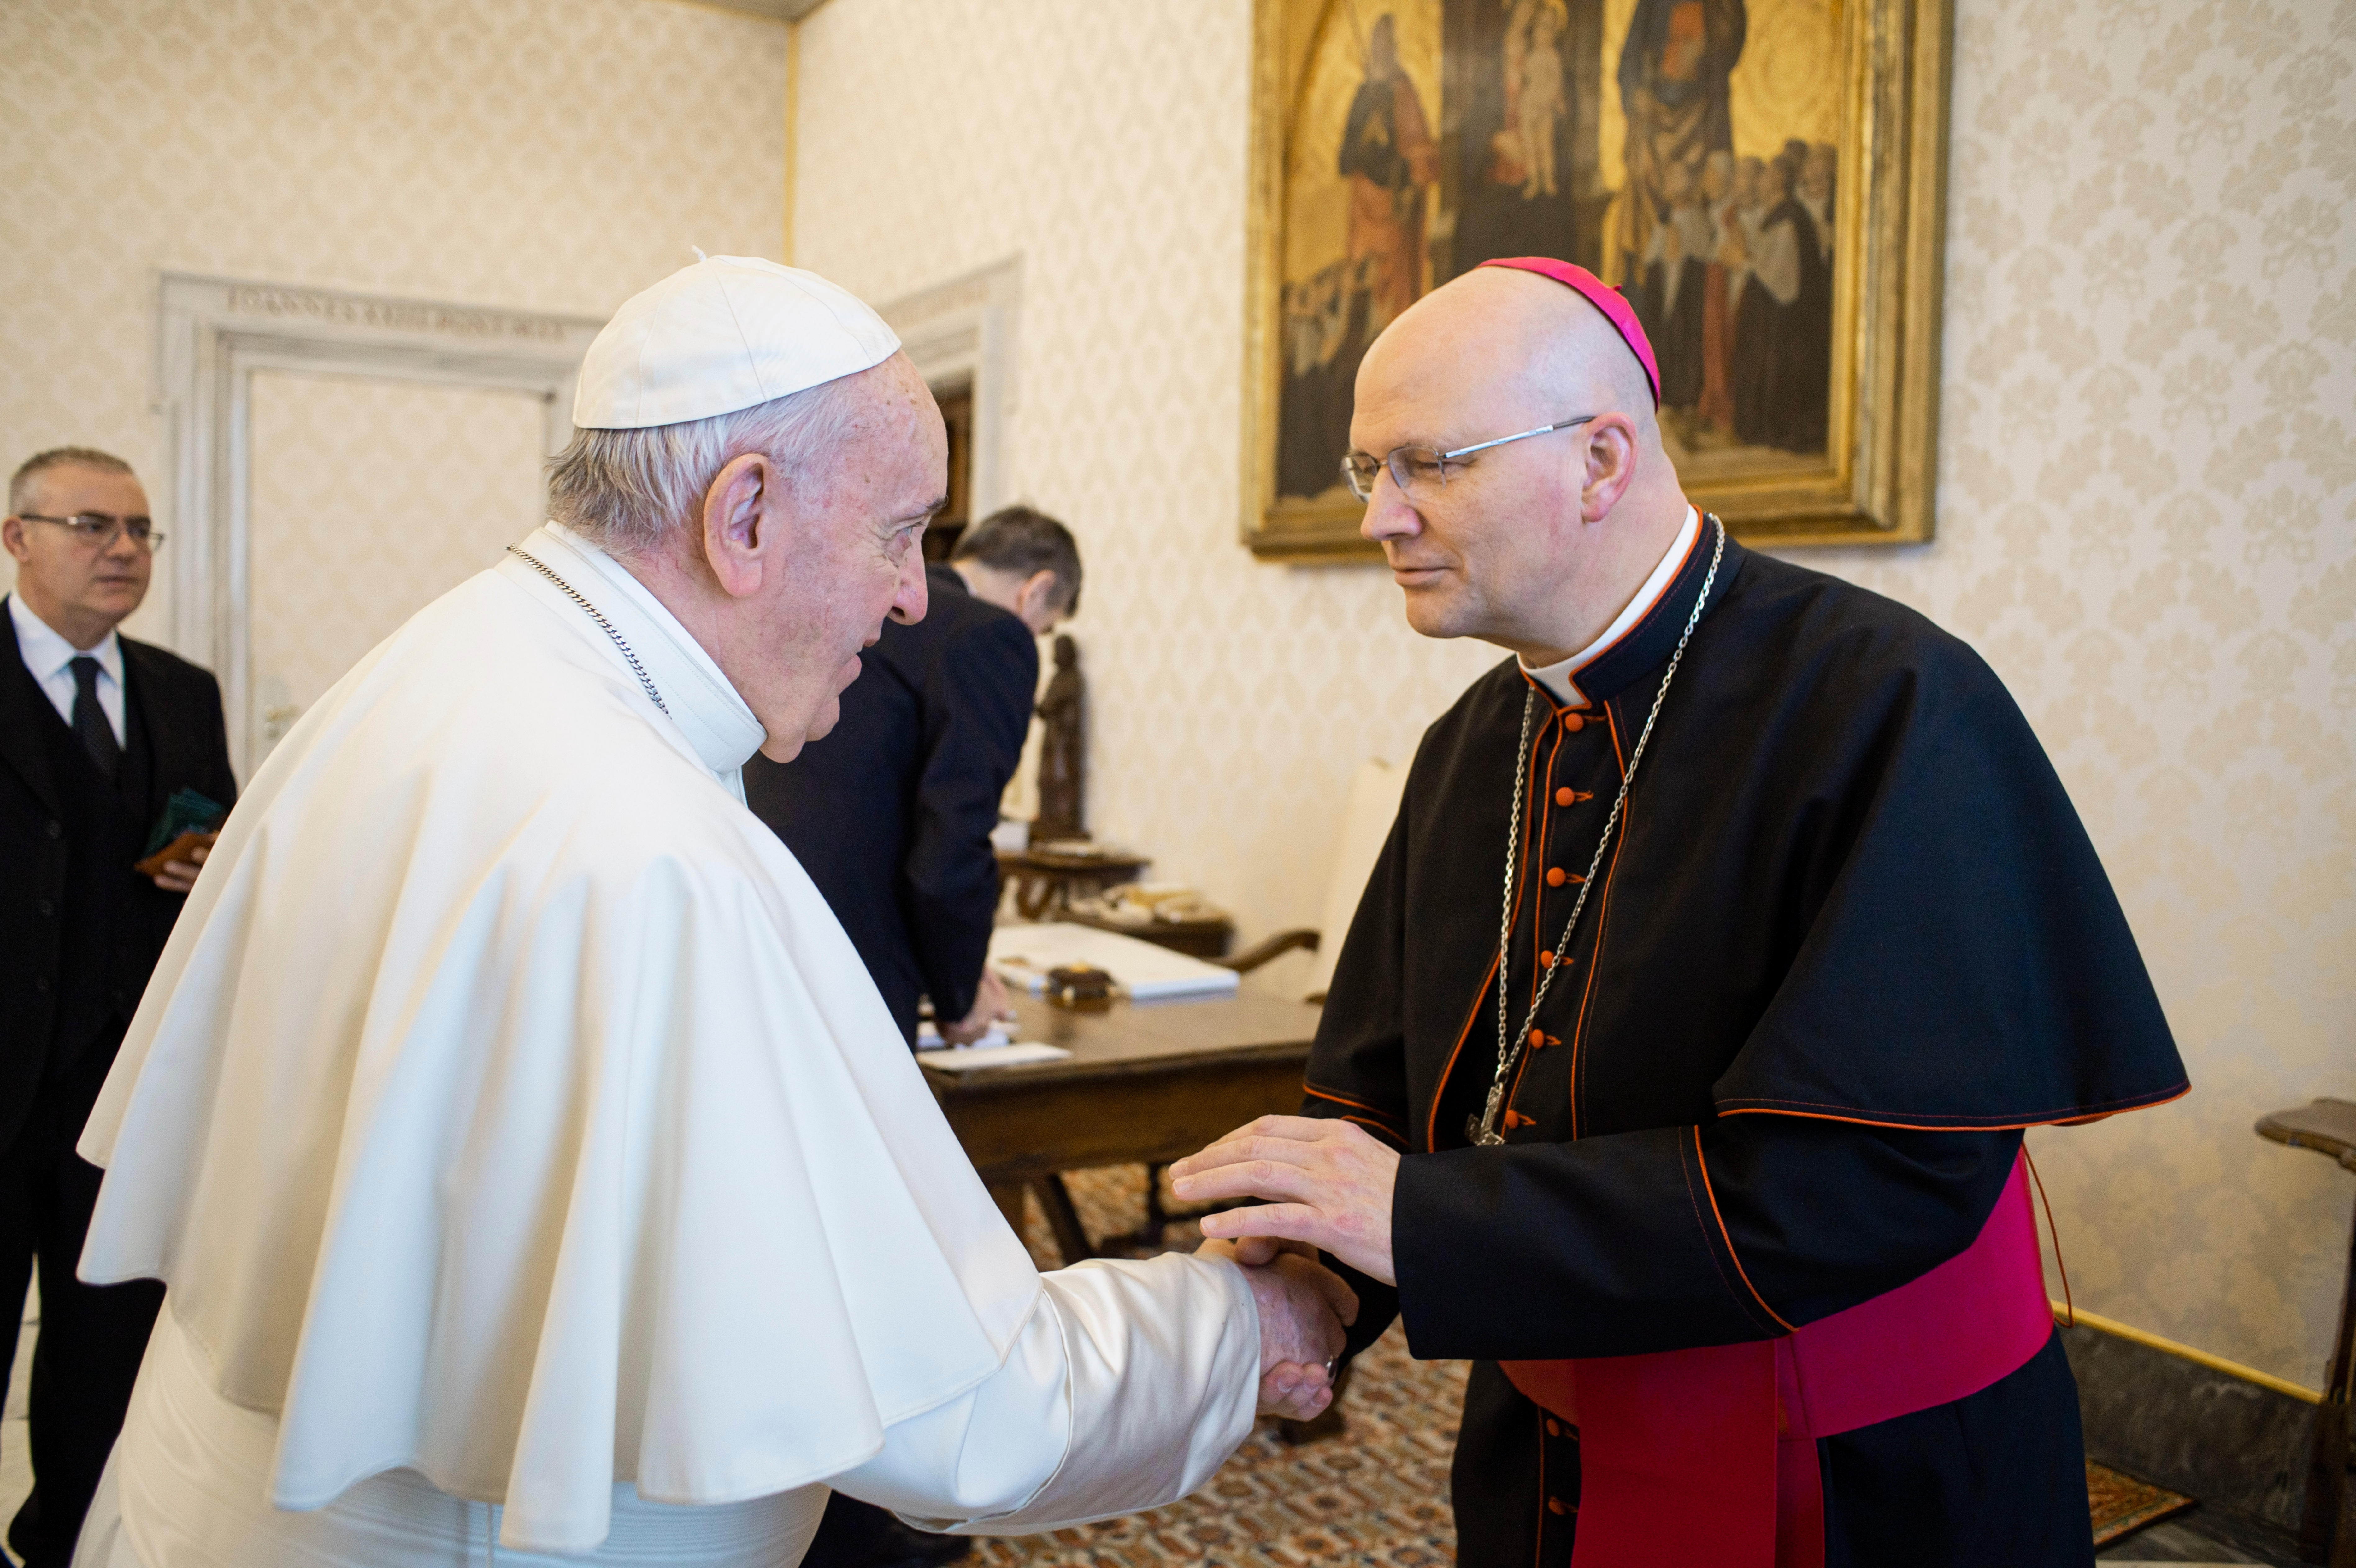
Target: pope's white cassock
[528,1156]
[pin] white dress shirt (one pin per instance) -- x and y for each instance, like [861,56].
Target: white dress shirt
[1558,677]
[51,658]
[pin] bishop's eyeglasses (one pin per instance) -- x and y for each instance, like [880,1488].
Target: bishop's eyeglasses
[1415,469]
[99,530]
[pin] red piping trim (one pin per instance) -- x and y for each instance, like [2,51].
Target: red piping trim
[1701,527]
[1472,1016]
[1541,809]
[1703,1160]
[2055,1231]
[2075,1116]
[1602,924]
[1537,1556]
[1376,1110]
[1439,1090]
[1700,1227]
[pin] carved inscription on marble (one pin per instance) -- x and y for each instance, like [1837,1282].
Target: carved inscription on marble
[393,315]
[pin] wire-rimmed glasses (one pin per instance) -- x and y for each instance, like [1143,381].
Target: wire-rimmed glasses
[1417,467]
[99,530]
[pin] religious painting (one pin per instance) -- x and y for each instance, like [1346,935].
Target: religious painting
[1703,157]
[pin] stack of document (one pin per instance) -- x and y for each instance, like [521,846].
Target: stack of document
[996,1048]
[1022,954]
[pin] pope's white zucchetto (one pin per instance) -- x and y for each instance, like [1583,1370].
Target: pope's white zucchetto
[723,335]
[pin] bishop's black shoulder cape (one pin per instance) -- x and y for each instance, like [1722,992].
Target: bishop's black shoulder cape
[1851,937]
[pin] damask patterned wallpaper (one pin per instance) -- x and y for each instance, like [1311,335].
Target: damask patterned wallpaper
[546,155]
[363,472]
[2147,512]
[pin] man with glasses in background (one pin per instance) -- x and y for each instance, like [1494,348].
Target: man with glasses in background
[104,742]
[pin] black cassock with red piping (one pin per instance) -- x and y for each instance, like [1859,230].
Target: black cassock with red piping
[1848,940]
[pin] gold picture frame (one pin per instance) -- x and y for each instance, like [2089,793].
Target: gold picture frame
[1881,75]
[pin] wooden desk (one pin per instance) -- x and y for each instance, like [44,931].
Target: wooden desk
[1147,1082]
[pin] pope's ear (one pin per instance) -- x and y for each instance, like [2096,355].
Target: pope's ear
[738,522]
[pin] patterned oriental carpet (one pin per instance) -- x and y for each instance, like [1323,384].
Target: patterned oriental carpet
[2124,1505]
[1377,1494]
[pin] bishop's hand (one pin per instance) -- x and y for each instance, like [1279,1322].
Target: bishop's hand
[1302,1307]
[1332,1183]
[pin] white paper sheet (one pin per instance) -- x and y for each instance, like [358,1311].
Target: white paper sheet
[966,1059]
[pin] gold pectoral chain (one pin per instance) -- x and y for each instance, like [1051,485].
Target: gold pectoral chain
[602,624]
[1482,1129]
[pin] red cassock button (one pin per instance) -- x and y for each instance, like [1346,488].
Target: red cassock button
[1545,960]
[1574,723]
[1555,1505]
[1537,1037]
[1557,876]
[1565,795]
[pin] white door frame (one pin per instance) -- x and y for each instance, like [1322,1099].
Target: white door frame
[962,333]
[216,333]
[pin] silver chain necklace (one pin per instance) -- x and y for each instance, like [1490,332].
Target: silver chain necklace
[1482,1129]
[602,624]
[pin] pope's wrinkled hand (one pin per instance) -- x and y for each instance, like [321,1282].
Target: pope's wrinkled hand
[1303,1308]
[1332,1182]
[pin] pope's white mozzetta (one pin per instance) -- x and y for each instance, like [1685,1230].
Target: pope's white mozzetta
[528,1154]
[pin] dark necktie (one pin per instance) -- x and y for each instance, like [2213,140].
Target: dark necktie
[89,723]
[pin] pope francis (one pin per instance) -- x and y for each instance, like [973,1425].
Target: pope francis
[535,1173]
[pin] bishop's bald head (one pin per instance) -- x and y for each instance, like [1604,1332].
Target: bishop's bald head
[1536,544]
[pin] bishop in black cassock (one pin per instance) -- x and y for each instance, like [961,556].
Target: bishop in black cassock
[1836,937]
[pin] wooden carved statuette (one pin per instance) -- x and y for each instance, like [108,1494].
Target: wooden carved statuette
[1063,749]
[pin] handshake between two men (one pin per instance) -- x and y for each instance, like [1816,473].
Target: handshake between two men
[1331,1188]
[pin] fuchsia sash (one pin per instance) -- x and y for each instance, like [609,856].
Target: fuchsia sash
[1709,1455]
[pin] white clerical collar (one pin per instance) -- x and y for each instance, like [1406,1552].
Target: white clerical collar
[702,703]
[1557,677]
[46,652]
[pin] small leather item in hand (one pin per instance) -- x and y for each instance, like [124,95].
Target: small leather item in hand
[179,849]
[1080,986]
[188,811]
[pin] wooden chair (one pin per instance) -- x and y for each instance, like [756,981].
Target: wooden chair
[2328,1532]
[1372,804]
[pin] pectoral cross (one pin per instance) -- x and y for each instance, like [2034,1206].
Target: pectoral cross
[1482,1129]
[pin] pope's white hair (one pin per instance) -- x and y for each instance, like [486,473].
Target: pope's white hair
[632,490]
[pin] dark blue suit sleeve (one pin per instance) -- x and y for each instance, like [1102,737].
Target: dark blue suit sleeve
[977,713]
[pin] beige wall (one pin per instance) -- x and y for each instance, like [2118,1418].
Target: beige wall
[2147,514]
[359,475]
[546,155]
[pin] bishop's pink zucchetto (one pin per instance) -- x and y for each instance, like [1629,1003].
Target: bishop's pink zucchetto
[1610,301]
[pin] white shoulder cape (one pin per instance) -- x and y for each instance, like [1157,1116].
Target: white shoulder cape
[509,1105]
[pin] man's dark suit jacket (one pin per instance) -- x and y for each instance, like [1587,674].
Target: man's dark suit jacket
[80,930]
[890,813]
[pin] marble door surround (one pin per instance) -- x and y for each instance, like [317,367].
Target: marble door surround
[961,334]
[214,334]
